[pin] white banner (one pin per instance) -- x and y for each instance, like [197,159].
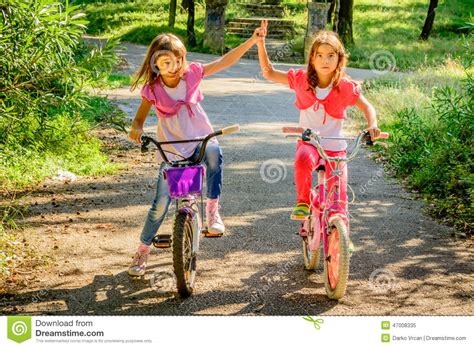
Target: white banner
[236,331]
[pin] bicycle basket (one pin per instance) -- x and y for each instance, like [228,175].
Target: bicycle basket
[183,181]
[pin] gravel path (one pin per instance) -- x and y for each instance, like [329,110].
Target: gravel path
[404,262]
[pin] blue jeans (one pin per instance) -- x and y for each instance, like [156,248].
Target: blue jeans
[214,163]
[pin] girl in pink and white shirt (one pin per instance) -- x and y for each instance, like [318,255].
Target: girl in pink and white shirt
[171,86]
[323,93]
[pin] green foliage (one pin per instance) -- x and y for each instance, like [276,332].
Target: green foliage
[432,135]
[45,114]
[382,25]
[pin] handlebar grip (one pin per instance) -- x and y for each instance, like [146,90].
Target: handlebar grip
[231,129]
[293,130]
[383,135]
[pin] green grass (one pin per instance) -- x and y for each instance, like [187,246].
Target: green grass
[395,26]
[380,25]
[429,117]
[71,147]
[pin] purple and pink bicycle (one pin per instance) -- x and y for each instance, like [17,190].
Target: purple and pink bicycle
[326,226]
[185,179]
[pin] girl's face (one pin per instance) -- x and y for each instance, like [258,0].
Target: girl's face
[325,60]
[170,66]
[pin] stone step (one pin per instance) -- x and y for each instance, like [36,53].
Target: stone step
[271,21]
[247,33]
[277,28]
[264,10]
[262,6]
[252,26]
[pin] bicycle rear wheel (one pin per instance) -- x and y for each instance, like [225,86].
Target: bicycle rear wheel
[184,257]
[336,263]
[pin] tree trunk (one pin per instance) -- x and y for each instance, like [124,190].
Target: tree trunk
[331,11]
[344,21]
[214,25]
[172,16]
[425,32]
[188,5]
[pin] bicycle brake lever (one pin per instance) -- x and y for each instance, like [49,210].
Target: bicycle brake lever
[306,135]
[367,139]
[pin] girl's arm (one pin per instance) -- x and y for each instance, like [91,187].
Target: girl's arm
[139,120]
[370,115]
[267,69]
[230,58]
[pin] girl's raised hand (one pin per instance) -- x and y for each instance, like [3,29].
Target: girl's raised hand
[261,32]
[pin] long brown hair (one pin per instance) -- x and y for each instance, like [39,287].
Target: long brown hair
[332,39]
[161,45]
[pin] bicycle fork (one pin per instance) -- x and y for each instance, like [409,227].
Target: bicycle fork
[187,206]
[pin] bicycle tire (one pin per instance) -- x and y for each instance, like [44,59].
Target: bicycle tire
[336,274]
[311,258]
[184,259]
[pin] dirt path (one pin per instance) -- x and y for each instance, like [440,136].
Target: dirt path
[404,262]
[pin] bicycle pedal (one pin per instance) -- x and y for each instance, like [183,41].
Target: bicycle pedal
[209,234]
[162,241]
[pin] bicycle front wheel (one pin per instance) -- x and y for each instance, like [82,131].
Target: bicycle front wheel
[311,257]
[336,263]
[184,257]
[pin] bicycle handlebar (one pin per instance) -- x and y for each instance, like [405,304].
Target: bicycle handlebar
[314,138]
[231,129]
[146,140]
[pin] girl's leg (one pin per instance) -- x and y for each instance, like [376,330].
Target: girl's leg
[154,219]
[306,161]
[214,166]
[158,210]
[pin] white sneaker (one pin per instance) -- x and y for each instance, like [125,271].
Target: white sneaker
[138,267]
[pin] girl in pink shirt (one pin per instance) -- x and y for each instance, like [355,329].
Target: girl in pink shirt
[323,93]
[171,86]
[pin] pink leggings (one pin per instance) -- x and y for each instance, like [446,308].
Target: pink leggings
[306,162]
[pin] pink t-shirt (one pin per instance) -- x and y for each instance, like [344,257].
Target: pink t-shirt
[345,94]
[324,110]
[182,125]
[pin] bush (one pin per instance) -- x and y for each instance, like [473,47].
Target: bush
[45,113]
[432,133]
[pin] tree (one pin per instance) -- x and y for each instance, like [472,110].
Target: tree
[172,16]
[343,20]
[188,5]
[214,25]
[425,32]
[331,11]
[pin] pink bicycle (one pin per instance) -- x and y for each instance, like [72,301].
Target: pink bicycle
[324,222]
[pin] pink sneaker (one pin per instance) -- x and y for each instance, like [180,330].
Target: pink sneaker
[215,226]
